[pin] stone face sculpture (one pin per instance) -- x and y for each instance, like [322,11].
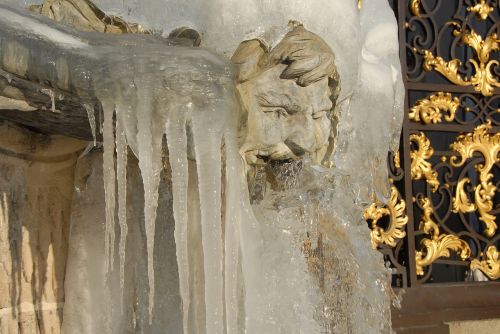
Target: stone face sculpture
[288,89]
[287,96]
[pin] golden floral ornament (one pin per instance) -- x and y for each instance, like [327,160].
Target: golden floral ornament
[439,245]
[429,110]
[415,7]
[490,266]
[483,79]
[482,9]
[461,202]
[480,141]
[420,167]
[396,211]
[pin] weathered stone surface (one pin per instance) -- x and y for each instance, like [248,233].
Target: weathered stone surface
[85,16]
[36,187]
[69,117]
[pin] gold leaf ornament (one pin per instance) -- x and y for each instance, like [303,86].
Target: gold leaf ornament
[397,160]
[420,167]
[396,211]
[482,9]
[490,266]
[461,202]
[480,141]
[439,245]
[429,110]
[415,7]
[483,79]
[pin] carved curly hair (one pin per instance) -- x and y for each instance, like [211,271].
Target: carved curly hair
[307,56]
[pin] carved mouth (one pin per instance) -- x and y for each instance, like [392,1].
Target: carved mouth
[280,152]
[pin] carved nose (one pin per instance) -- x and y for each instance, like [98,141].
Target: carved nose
[295,148]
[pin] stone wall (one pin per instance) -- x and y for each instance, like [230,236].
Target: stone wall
[482,326]
[36,189]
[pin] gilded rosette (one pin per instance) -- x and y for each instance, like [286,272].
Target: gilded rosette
[429,110]
[396,211]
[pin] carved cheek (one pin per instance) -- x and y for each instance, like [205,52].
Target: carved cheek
[272,127]
[323,127]
[301,130]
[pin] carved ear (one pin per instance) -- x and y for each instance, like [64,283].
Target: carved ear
[247,57]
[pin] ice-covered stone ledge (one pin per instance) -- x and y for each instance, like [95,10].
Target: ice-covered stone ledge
[46,79]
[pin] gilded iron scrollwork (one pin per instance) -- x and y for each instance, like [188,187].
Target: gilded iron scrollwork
[439,245]
[429,110]
[388,223]
[450,152]
[396,211]
[480,141]
[443,108]
[420,167]
[483,79]
[491,265]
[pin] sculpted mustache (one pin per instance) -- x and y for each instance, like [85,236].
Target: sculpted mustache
[295,148]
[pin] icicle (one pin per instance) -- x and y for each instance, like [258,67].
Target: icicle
[177,147]
[231,240]
[207,143]
[109,183]
[101,125]
[149,146]
[121,177]
[52,96]
[90,114]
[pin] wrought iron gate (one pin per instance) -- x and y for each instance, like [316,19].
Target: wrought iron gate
[440,225]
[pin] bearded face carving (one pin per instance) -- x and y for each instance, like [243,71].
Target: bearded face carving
[287,96]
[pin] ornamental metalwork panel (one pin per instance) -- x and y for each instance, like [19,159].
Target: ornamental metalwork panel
[441,223]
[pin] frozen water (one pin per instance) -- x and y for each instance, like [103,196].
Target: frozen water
[121,176]
[91,115]
[236,272]
[177,148]
[109,182]
[40,30]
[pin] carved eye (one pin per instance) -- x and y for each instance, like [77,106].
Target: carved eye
[278,111]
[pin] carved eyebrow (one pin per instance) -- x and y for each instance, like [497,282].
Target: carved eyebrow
[274,99]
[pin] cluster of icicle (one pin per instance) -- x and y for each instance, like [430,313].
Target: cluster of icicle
[152,93]
[255,278]
[179,97]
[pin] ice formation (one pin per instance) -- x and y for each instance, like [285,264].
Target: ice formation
[161,91]
[91,115]
[250,273]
